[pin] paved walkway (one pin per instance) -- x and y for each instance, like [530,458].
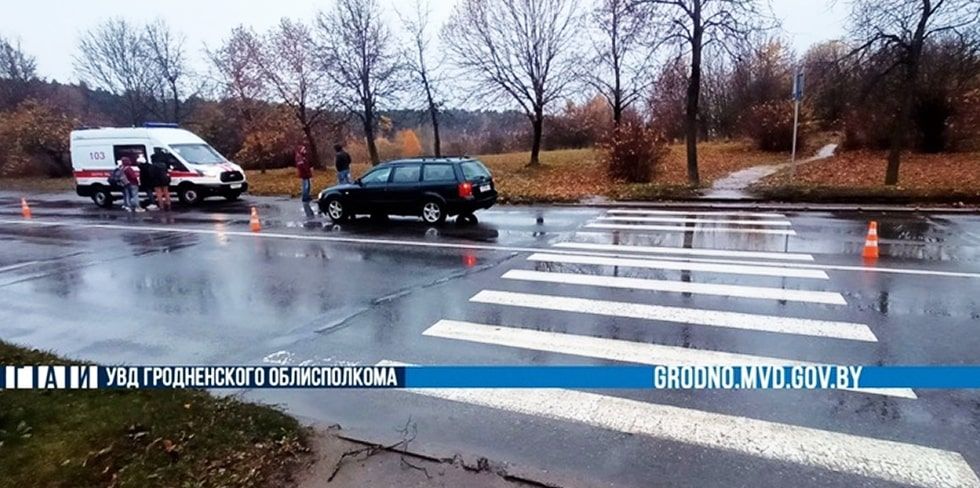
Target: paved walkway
[733,186]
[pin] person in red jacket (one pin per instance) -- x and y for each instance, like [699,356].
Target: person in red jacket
[131,188]
[304,170]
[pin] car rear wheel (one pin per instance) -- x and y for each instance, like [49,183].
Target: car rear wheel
[433,212]
[102,198]
[231,197]
[336,210]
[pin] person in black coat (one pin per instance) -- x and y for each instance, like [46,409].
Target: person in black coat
[147,180]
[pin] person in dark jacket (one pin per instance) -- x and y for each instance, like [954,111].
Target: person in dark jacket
[161,181]
[147,181]
[304,171]
[343,164]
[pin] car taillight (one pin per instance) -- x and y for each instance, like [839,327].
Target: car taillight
[465,189]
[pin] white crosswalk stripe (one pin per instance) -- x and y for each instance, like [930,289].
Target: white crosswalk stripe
[627,211]
[693,316]
[887,460]
[614,349]
[742,291]
[834,451]
[681,220]
[673,228]
[628,248]
[776,271]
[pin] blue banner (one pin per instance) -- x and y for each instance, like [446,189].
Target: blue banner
[797,377]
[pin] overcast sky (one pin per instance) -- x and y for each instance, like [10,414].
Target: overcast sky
[49,29]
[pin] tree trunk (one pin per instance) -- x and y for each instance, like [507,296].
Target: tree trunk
[311,143]
[693,95]
[537,124]
[176,99]
[368,120]
[901,126]
[434,114]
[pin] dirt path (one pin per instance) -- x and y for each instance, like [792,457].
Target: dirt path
[733,186]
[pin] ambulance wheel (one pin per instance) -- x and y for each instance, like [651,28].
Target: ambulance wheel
[102,198]
[189,195]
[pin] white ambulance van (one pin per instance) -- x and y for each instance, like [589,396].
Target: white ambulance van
[197,171]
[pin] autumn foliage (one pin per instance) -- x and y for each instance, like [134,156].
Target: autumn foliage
[632,152]
[770,125]
[35,140]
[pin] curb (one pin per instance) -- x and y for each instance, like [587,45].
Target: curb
[763,205]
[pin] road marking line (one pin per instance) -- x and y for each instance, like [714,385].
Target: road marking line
[680,265]
[741,291]
[686,251]
[671,228]
[617,350]
[893,461]
[677,220]
[694,316]
[679,212]
[445,245]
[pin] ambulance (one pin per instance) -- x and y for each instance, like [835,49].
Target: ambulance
[197,170]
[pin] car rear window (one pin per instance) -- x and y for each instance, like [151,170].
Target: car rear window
[438,172]
[406,174]
[474,169]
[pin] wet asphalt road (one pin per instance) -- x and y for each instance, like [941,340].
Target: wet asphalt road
[194,288]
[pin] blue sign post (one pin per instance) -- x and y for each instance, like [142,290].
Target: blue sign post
[797,97]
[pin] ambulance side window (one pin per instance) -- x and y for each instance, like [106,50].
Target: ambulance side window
[133,152]
[161,154]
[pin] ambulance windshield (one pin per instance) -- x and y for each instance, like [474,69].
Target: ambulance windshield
[198,153]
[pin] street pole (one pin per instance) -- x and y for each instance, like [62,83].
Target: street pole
[797,96]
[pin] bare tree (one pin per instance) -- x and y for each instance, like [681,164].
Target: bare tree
[236,69]
[899,31]
[113,57]
[15,63]
[289,66]
[166,51]
[695,25]
[517,49]
[359,58]
[621,69]
[421,67]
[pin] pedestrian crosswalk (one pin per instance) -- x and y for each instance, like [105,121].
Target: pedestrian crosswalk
[584,278]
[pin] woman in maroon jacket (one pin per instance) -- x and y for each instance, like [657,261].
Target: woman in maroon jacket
[304,171]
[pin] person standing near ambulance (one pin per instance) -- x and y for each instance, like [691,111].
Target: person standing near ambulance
[304,171]
[131,186]
[161,186]
[148,182]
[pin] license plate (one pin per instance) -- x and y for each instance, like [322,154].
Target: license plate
[484,188]
[235,187]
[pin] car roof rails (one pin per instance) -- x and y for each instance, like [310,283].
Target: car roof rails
[161,125]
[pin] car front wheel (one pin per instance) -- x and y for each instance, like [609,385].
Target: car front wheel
[336,210]
[433,212]
[189,195]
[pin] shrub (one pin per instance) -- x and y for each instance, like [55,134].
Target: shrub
[632,152]
[770,125]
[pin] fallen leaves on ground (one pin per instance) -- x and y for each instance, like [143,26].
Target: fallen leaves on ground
[933,173]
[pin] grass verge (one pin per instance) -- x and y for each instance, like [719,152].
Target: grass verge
[858,176]
[143,438]
[567,175]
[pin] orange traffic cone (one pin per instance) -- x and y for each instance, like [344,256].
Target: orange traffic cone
[25,210]
[871,243]
[253,221]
